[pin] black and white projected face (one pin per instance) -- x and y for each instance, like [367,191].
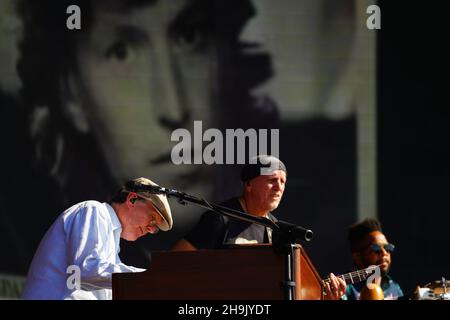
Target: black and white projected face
[138,82]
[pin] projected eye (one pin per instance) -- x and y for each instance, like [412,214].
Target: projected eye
[192,40]
[120,51]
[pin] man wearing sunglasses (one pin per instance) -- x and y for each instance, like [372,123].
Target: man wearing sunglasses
[370,247]
[80,251]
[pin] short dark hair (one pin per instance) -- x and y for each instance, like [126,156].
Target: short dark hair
[119,197]
[48,52]
[358,231]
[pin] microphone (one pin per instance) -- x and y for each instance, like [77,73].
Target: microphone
[158,190]
[146,188]
[155,189]
[294,232]
[287,234]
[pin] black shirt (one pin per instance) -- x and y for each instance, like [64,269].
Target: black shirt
[214,231]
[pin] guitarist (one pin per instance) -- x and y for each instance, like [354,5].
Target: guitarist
[370,246]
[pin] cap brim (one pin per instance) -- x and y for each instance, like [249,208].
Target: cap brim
[159,201]
[161,205]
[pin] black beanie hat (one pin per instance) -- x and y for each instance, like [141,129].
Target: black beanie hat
[260,165]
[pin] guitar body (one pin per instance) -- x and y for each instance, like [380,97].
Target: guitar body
[373,293]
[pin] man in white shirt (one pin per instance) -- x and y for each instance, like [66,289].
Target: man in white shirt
[80,251]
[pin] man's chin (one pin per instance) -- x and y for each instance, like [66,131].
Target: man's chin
[274,205]
[384,269]
[130,237]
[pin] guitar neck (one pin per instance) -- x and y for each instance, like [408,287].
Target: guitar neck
[355,276]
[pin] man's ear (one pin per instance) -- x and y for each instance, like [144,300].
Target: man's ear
[131,199]
[72,104]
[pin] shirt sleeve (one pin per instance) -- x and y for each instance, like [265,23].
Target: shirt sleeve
[399,291]
[90,247]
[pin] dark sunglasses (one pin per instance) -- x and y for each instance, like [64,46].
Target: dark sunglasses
[389,247]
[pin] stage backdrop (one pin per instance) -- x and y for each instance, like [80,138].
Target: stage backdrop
[86,109]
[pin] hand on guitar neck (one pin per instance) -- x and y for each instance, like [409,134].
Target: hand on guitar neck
[335,286]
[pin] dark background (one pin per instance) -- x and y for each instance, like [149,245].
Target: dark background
[413,140]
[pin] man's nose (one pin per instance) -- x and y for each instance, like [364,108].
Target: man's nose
[175,115]
[384,252]
[278,185]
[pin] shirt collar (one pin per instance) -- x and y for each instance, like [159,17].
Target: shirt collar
[114,219]
[117,227]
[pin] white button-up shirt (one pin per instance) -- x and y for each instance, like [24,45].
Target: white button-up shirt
[85,237]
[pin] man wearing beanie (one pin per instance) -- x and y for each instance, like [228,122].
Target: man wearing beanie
[264,180]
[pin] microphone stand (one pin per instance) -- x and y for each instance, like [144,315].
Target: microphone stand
[284,235]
